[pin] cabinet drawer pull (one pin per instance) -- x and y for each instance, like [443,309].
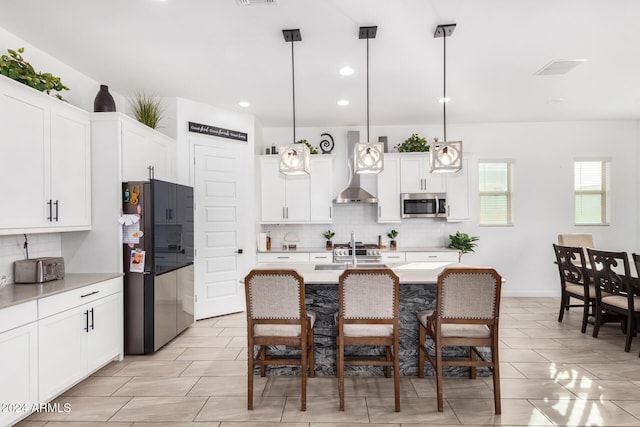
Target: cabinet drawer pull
[393,256]
[90,293]
[283,257]
[433,256]
[50,217]
[86,320]
[56,217]
[92,320]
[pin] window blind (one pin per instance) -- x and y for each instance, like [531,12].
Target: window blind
[495,193]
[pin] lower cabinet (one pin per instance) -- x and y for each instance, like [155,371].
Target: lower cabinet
[18,361]
[277,257]
[78,332]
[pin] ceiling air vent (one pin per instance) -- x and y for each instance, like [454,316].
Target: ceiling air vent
[256,2]
[559,67]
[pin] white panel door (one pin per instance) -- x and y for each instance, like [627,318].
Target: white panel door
[222,214]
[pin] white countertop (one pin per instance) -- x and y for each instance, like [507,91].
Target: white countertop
[13,294]
[409,273]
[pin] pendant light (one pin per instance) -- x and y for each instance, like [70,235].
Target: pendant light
[446,156]
[294,158]
[368,157]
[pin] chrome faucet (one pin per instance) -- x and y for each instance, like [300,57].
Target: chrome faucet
[353,248]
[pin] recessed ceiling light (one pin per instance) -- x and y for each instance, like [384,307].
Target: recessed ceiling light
[244,104]
[343,102]
[444,100]
[346,71]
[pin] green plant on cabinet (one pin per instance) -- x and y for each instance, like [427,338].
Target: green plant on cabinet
[312,150]
[413,144]
[329,235]
[147,109]
[15,67]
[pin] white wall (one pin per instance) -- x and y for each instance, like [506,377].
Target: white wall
[543,194]
[82,89]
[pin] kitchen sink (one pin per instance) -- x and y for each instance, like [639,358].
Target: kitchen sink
[342,266]
[329,267]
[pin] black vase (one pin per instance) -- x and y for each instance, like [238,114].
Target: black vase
[104,101]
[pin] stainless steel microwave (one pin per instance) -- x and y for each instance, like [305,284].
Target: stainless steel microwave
[423,205]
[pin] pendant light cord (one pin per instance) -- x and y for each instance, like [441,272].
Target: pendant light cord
[368,140]
[293,81]
[444,85]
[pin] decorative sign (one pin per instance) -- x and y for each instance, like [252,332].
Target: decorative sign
[216,131]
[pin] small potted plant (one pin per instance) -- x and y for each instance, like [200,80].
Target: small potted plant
[329,235]
[147,109]
[312,150]
[462,242]
[392,235]
[413,144]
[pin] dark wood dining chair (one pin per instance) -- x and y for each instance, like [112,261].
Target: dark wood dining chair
[575,282]
[466,315]
[615,292]
[368,311]
[276,315]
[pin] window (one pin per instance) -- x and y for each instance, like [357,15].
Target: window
[591,191]
[495,193]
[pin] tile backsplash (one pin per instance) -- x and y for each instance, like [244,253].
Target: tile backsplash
[12,249]
[362,219]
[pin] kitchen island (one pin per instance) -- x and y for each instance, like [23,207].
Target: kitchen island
[417,293]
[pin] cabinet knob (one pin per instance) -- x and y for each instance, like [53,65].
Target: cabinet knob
[239,251]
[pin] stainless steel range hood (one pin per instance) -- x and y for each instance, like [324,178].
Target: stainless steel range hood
[354,193]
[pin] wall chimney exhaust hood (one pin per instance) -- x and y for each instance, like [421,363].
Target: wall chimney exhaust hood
[353,193]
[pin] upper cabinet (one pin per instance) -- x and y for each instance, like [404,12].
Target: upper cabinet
[321,189]
[415,176]
[285,199]
[296,199]
[458,186]
[45,163]
[389,190]
[145,153]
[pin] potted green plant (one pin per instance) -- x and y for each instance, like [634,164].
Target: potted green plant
[413,144]
[312,150]
[15,67]
[462,242]
[392,235]
[329,235]
[147,109]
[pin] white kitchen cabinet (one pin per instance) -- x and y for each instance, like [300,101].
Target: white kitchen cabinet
[146,153]
[78,332]
[44,163]
[389,190]
[458,200]
[18,361]
[415,176]
[321,257]
[284,257]
[285,199]
[393,256]
[446,256]
[70,167]
[321,189]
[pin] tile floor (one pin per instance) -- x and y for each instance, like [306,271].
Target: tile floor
[551,375]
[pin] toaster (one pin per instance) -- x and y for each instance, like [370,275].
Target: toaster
[38,270]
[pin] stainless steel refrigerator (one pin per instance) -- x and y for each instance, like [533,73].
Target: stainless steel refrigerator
[159,297]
